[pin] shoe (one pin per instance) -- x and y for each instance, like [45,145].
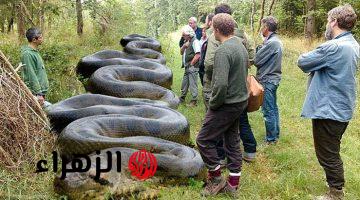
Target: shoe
[182,100]
[332,194]
[213,186]
[271,142]
[223,163]
[248,157]
[230,190]
[192,103]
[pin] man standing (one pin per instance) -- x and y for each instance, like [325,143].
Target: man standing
[268,62]
[203,43]
[213,44]
[228,100]
[198,31]
[33,72]
[246,133]
[191,55]
[331,95]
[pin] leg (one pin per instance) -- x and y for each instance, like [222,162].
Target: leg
[247,136]
[269,112]
[184,85]
[327,138]
[210,134]
[193,77]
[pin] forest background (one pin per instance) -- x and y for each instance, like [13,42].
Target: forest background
[76,28]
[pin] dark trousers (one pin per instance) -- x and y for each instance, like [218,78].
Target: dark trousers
[221,124]
[246,135]
[327,138]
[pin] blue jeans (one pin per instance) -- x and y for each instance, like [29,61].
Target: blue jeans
[246,136]
[271,112]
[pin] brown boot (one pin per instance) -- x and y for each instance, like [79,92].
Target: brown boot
[214,186]
[193,103]
[230,190]
[332,194]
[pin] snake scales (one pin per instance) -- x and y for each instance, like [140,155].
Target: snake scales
[143,118]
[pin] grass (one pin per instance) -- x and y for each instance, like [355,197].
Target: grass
[288,170]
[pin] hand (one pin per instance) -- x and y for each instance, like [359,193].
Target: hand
[40,99]
[187,44]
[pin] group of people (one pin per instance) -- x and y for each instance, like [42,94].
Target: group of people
[220,54]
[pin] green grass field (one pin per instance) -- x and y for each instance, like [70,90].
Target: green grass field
[288,170]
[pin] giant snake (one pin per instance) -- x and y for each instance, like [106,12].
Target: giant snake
[142,118]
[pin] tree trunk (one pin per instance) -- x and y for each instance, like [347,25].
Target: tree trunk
[262,14]
[42,14]
[271,7]
[2,25]
[80,22]
[20,21]
[252,16]
[310,20]
[12,17]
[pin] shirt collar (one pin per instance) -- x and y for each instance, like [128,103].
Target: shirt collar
[269,36]
[343,34]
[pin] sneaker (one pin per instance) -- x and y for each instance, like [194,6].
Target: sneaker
[332,194]
[214,186]
[230,190]
[192,103]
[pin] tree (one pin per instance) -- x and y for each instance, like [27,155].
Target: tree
[80,22]
[310,20]
[271,7]
[262,14]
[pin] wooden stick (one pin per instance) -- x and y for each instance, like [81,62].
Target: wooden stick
[9,67]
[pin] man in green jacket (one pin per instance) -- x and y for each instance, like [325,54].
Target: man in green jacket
[33,72]
[213,44]
[228,100]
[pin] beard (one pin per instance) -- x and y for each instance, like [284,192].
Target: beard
[328,32]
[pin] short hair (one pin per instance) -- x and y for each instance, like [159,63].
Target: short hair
[270,22]
[33,33]
[193,19]
[210,16]
[225,23]
[345,16]
[223,8]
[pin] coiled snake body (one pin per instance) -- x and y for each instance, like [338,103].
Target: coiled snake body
[142,118]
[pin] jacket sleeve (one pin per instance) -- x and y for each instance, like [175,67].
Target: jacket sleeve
[29,74]
[265,53]
[249,48]
[316,59]
[210,51]
[220,81]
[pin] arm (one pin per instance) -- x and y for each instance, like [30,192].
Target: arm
[316,59]
[220,81]
[182,49]
[29,75]
[210,52]
[265,53]
[249,48]
[197,49]
[181,42]
[195,59]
